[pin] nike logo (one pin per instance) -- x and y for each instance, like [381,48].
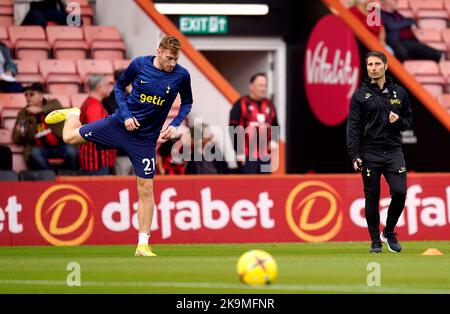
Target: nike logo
[402,170]
[147,173]
[88,134]
[143,82]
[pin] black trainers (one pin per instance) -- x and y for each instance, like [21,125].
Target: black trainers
[390,238]
[376,247]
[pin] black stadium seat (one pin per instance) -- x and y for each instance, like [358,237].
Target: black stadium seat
[37,175]
[8,175]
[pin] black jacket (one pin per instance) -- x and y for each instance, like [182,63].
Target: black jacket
[368,126]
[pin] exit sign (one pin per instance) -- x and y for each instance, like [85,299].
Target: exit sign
[203,24]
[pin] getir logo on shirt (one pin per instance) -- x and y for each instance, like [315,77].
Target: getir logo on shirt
[155,99]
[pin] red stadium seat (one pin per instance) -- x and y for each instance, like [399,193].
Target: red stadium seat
[11,100]
[67,42]
[4,38]
[12,104]
[29,42]
[444,67]
[434,89]
[101,33]
[105,42]
[28,72]
[430,13]
[444,99]
[121,64]
[62,98]
[427,73]
[61,76]
[88,67]
[8,123]
[109,50]
[432,37]
[446,38]
[404,8]
[77,100]
[5,136]
[6,15]
[19,163]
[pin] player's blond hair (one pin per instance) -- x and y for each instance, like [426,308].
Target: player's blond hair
[171,43]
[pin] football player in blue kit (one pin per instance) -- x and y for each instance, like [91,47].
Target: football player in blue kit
[137,123]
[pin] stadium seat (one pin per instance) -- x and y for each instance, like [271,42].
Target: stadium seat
[37,175]
[101,33]
[8,123]
[29,42]
[446,38]
[28,72]
[65,172]
[19,163]
[77,100]
[61,76]
[8,175]
[105,42]
[404,8]
[67,42]
[88,67]
[5,136]
[444,67]
[121,64]
[434,89]
[432,37]
[4,38]
[6,15]
[12,104]
[427,72]
[430,13]
[108,50]
[62,98]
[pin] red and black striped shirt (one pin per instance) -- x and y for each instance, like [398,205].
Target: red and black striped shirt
[90,158]
[257,114]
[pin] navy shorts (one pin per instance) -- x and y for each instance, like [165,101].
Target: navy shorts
[110,133]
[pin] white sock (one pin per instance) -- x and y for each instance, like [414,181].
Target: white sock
[143,238]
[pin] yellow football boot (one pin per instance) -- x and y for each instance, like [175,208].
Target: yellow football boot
[60,115]
[144,250]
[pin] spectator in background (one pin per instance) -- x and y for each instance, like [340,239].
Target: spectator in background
[166,164]
[5,158]
[93,159]
[199,148]
[257,111]
[8,70]
[40,140]
[40,12]
[360,10]
[123,166]
[400,35]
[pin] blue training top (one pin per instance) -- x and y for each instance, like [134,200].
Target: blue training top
[154,92]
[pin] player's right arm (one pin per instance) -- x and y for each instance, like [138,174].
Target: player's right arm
[354,124]
[127,77]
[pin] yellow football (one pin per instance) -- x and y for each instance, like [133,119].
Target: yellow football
[257,267]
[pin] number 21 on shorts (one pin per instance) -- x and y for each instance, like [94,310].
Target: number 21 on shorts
[149,165]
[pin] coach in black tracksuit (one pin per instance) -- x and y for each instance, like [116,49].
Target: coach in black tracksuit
[379,110]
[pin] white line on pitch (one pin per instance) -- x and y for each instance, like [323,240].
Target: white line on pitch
[210,285]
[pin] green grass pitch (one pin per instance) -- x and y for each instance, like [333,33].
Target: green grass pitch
[303,268]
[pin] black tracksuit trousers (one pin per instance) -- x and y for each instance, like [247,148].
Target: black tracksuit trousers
[391,164]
